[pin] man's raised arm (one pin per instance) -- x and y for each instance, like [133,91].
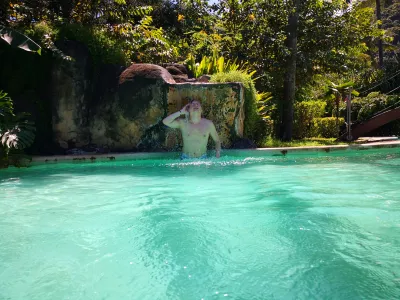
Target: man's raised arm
[171,120]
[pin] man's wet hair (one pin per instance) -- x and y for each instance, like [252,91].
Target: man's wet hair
[191,100]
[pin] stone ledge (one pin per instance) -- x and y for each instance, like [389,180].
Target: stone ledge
[283,151]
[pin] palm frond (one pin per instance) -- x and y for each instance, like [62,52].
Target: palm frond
[18,40]
[17,132]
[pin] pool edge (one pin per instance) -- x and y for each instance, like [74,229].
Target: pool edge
[257,151]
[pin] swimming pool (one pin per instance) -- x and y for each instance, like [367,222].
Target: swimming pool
[323,226]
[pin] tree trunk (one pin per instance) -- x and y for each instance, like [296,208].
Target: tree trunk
[289,84]
[380,44]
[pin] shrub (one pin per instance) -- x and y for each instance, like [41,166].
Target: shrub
[325,127]
[41,31]
[255,128]
[214,64]
[366,107]
[102,47]
[373,103]
[16,132]
[304,114]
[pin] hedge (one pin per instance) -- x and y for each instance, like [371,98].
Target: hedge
[325,127]
[304,114]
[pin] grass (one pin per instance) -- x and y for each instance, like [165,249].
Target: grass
[273,143]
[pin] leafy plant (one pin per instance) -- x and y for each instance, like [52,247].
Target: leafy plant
[16,131]
[6,105]
[307,142]
[304,114]
[256,126]
[45,33]
[365,107]
[265,107]
[214,64]
[18,40]
[131,37]
[325,127]
[102,47]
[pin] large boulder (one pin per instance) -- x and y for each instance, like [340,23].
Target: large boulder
[134,121]
[142,87]
[179,72]
[137,72]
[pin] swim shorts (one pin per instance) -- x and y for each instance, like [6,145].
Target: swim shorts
[185,156]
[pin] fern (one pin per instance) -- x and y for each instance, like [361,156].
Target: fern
[6,105]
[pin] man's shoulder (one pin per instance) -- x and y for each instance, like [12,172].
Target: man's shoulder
[208,124]
[206,121]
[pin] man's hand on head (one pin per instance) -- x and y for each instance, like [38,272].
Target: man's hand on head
[185,110]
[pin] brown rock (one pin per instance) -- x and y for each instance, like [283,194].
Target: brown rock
[182,68]
[183,78]
[174,71]
[204,78]
[146,71]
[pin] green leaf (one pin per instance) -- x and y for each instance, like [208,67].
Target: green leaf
[18,40]
[346,85]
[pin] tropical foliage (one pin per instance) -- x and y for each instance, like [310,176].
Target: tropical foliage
[16,131]
[16,39]
[255,125]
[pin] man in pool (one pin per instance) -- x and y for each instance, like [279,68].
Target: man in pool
[195,131]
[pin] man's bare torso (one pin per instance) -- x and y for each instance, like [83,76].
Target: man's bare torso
[195,137]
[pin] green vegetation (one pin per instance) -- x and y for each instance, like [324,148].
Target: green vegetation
[309,142]
[326,127]
[16,39]
[16,131]
[255,127]
[365,107]
[213,64]
[305,113]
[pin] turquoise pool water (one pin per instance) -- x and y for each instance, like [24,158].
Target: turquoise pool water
[295,227]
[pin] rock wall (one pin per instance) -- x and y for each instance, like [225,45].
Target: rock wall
[71,94]
[125,112]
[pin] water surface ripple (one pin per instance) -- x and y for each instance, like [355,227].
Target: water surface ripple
[322,227]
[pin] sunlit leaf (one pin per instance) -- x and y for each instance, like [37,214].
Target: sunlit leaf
[18,40]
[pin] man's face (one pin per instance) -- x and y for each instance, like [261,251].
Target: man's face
[195,106]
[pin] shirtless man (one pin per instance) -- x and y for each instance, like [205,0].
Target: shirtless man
[195,131]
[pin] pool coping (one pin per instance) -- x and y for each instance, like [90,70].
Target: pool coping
[254,152]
